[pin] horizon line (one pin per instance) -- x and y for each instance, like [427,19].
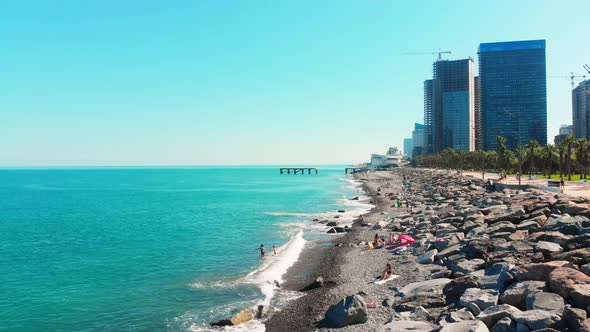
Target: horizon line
[171,165]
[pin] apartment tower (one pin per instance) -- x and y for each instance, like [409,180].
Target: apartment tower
[513,93]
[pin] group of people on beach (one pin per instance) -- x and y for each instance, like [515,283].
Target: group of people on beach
[395,241]
[263,250]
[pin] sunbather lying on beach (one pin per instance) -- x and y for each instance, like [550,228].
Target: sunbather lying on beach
[386,274]
[377,242]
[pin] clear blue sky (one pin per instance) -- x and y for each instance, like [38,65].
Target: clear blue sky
[247,82]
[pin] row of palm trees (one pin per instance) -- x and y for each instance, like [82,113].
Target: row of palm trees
[566,158]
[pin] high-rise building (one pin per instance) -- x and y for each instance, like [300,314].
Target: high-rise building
[453,106]
[477,112]
[566,130]
[428,121]
[513,92]
[408,146]
[581,110]
[419,139]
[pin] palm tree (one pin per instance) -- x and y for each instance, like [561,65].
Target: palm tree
[561,148]
[520,151]
[582,155]
[501,152]
[549,154]
[569,142]
[531,146]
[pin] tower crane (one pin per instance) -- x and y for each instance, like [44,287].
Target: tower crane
[439,52]
[572,77]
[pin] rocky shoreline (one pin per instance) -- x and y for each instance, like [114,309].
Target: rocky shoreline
[515,260]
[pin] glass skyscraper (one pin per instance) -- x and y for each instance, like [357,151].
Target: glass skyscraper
[453,104]
[581,110]
[513,93]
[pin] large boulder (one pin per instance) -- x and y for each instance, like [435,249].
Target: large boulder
[575,319]
[350,310]
[536,319]
[428,287]
[565,224]
[504,325]
[578,256]
[408,325]
[317,283]
[449,251]
[467,266]
[493,314]
[571,284]
[548,248]
[424,300]
[428,257]
[483,298]
[456,287]
[539,271]
[465,326]
[516,293]
[545,301]
[243,316]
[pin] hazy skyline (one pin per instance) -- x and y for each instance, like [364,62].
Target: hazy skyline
[248,82]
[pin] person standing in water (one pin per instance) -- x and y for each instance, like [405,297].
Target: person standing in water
[262,251]
[274,250]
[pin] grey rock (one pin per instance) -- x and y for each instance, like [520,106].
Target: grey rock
[420,313]
[516,293]
[332,223]
[547,248]
[484,298]
[456,287]
[504,325]
[544,301]
[575,319]
[459,316]
[427,287]
[493,314]
[428,257]
[350,310]
[407,325]
[528,225]
[465,326]
[467,266]
[474,308]
[536,319]
[585,268]
[317,283]
[578,256]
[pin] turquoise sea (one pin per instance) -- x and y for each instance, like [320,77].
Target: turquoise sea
[151,249]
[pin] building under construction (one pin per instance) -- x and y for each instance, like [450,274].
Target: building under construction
[449,106]
[581,110]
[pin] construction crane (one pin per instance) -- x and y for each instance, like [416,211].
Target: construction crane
[439,52]
[572,77]
[587,68]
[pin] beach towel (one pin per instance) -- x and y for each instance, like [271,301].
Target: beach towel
[382,281]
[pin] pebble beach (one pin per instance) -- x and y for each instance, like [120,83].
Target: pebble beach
[513,259]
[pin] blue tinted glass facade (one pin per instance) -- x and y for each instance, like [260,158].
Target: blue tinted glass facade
[513,93]
[453,105]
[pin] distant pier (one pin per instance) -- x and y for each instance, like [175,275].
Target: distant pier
[352,170]
[298,170]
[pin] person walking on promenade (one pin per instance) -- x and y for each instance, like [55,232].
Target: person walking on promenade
[562,185]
